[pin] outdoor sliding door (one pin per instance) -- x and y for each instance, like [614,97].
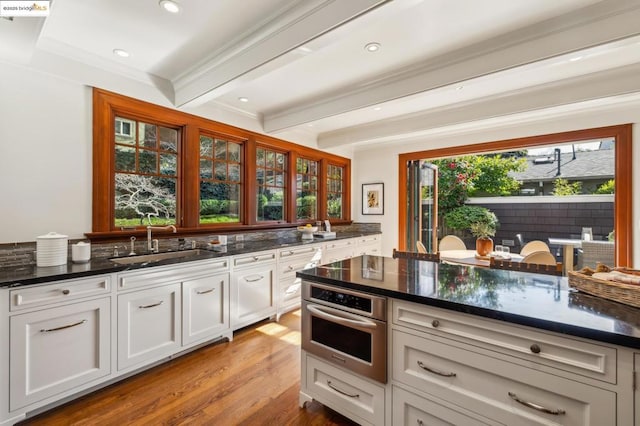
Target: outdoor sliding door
[422,205]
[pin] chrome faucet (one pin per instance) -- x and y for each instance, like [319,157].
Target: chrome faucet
[152,245]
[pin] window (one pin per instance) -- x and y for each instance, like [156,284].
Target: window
[618,136]
[155,165]
[220,180]
[271,180]
[146,174]
[306,189]
[334,191]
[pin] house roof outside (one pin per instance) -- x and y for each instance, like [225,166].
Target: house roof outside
[587,165]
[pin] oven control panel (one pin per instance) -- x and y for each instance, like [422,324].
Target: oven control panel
[358,303]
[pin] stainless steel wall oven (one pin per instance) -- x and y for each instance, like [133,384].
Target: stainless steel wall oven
[346,327]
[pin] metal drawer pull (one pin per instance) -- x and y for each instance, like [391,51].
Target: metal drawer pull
[290,268]
[435,323]
[350,395]
[256,258]
[420,422]
[205,291]
[151,306]
[253,281]
[66,291]
[535,406]
[47,330]
[439,373]
[535,348]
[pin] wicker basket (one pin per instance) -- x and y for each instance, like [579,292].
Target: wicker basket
[623,293]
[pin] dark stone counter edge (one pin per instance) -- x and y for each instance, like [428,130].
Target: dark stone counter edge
[20,276]
[571,330]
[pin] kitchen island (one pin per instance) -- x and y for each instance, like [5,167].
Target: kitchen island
[469,345]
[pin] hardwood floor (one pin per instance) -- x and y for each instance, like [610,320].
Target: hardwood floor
[253,380]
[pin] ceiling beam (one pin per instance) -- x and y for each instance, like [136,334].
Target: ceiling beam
[600,85]
[306,20]
[594,25]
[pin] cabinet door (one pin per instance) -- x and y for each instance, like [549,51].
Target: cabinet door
[252,295]
[58,349]
[205,308]
[148,325]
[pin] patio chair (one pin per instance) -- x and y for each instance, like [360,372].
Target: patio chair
[420,247]
[533,246]
[596,251]
[537,268]
[540,257]
[451,242]
[432,257]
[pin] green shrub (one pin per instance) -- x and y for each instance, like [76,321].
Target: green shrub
[461,218]
[609,187]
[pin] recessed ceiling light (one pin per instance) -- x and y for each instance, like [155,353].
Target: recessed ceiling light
[372,47]
[459,87]
[377,108]
[170,6]
[575,58]
[121,52]
[243,99]
[310,125]
[305,49]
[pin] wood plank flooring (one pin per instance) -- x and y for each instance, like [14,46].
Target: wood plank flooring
[253,380]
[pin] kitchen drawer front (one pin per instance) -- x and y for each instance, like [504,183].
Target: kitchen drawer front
[304,251]
[369,239]
[290,292]
[339,244]
[492,387]
[575,356]
[368,249]
[289,267]
[171,273]
[62,291]
[254,259]
[344,391]
[410,410]
[57,350]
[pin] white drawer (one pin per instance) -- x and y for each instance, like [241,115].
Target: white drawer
[410,410]
[60,291]
[344,391]
[369,239]
[490,387]
[290,291]
[171,273]
[370,249]
[340,244]
[306,251]
[575,356]
[289,267]
[254,259]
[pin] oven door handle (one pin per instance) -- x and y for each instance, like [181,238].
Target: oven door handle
[341,317]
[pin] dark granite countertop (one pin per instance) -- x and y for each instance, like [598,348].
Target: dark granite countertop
[535,300]
[31,274]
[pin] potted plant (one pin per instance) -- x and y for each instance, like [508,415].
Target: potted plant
[483,231]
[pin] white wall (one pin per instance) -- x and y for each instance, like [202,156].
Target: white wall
[380,163]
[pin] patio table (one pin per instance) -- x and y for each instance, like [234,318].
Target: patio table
[568,244]
[468,257]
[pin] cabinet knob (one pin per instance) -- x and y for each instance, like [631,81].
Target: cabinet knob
[66,291]
[435,323]
[535,348]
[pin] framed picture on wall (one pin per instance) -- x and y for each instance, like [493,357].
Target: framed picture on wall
[373,198]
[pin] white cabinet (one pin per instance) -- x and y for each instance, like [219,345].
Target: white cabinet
[205,308]
[253,293]
[148,325]
[636,390]
[360,399]
[369,245]
[291,260]
[58,349]
[336,250]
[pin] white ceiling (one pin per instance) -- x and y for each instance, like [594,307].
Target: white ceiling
[303,67]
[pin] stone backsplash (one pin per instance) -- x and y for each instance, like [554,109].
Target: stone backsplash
[19,254]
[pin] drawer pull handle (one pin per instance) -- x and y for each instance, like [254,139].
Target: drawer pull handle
[205,291]
[152,305]
[48,330]
[435,323]
[350,395]
[291,252]
[253,281]
[256,258]
[535,348]
[66,291]
[420,422]
[535,406]
[290,268]
[431,370]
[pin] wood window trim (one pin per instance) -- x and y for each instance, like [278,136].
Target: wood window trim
[107,105]
[623,198]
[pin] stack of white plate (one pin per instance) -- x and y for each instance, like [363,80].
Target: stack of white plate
[52,249]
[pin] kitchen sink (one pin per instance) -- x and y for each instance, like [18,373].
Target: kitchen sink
[156,257]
